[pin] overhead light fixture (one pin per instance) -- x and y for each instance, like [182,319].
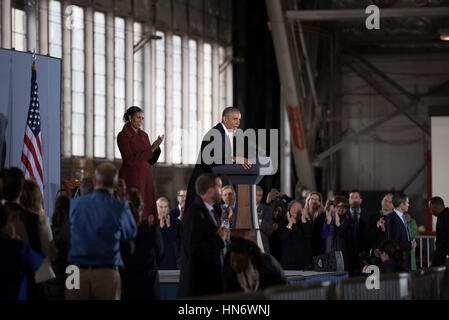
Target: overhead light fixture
[444,34]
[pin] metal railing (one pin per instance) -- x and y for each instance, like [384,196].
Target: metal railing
[427,244]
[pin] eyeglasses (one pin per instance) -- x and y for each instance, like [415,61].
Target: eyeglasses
[181,195]
[344,207]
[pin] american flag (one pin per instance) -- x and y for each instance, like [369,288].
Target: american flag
[32,151]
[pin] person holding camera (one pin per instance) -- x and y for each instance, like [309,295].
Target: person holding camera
[391,257]
[339,233]
[296,232]
[98,223]
[247,269]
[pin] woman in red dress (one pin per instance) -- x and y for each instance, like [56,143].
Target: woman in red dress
[138,156]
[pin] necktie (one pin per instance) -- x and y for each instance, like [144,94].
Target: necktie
[405,224]
[216,217]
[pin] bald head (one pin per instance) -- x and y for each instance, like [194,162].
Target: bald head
[106,175]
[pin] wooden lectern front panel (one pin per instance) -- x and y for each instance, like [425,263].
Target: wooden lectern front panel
[244,207]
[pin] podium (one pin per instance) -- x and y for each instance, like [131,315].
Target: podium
[244,181]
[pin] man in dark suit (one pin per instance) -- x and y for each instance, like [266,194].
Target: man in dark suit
[217,149]
[203,241]
[178,211]
[361,221]
[441,254]
[396,226]
[265,215]
[376,225]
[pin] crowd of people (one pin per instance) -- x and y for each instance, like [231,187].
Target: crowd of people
[118,235]
[119,252]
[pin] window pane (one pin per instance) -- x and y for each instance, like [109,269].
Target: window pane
[193,98]
[78,116]
[78,123]
[99,84]
[19,29]
[77,102]
[207,87]
[100,147]
[54,29]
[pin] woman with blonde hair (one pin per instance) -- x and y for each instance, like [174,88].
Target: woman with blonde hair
[31,200]
[315,210]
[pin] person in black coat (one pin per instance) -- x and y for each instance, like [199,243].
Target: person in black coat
[265,216]
[224,131]
[178,211]
[441,253]
[140,277]
[61,237]
[247,269]
[315,210]
[376,225]
[296,233]
[279,215]
[203,241]
[396,226]
[169,229]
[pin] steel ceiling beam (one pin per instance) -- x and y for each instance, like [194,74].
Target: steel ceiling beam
[348,14]
[375,124]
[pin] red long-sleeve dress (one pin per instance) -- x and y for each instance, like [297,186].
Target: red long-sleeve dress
[138,158]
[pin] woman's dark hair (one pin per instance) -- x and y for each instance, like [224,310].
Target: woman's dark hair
[342,200]
[131,111]
[278,203]
[243,245]
[61,212]
[392,249]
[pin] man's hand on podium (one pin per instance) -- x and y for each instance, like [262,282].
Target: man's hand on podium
[243,161]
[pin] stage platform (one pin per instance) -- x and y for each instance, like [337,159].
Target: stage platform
[170,279]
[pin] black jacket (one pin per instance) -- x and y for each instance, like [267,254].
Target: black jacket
[391,266]
[170,238]
[140,277]
[201,253]
[266,227]
[317,241]
[442,241]
[270,273]
[202,167]
[296,249]
[375,235]
[395,230]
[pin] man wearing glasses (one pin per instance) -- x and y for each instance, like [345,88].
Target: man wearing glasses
[178,211]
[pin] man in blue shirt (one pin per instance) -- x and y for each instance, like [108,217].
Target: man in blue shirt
[98,223]
[18,261]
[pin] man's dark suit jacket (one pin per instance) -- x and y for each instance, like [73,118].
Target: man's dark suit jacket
[374,234]
[266,227]
[395,230]
[174,213]
[201,250]
[442,242]
[201,167]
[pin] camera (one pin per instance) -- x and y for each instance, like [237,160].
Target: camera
[277,196]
